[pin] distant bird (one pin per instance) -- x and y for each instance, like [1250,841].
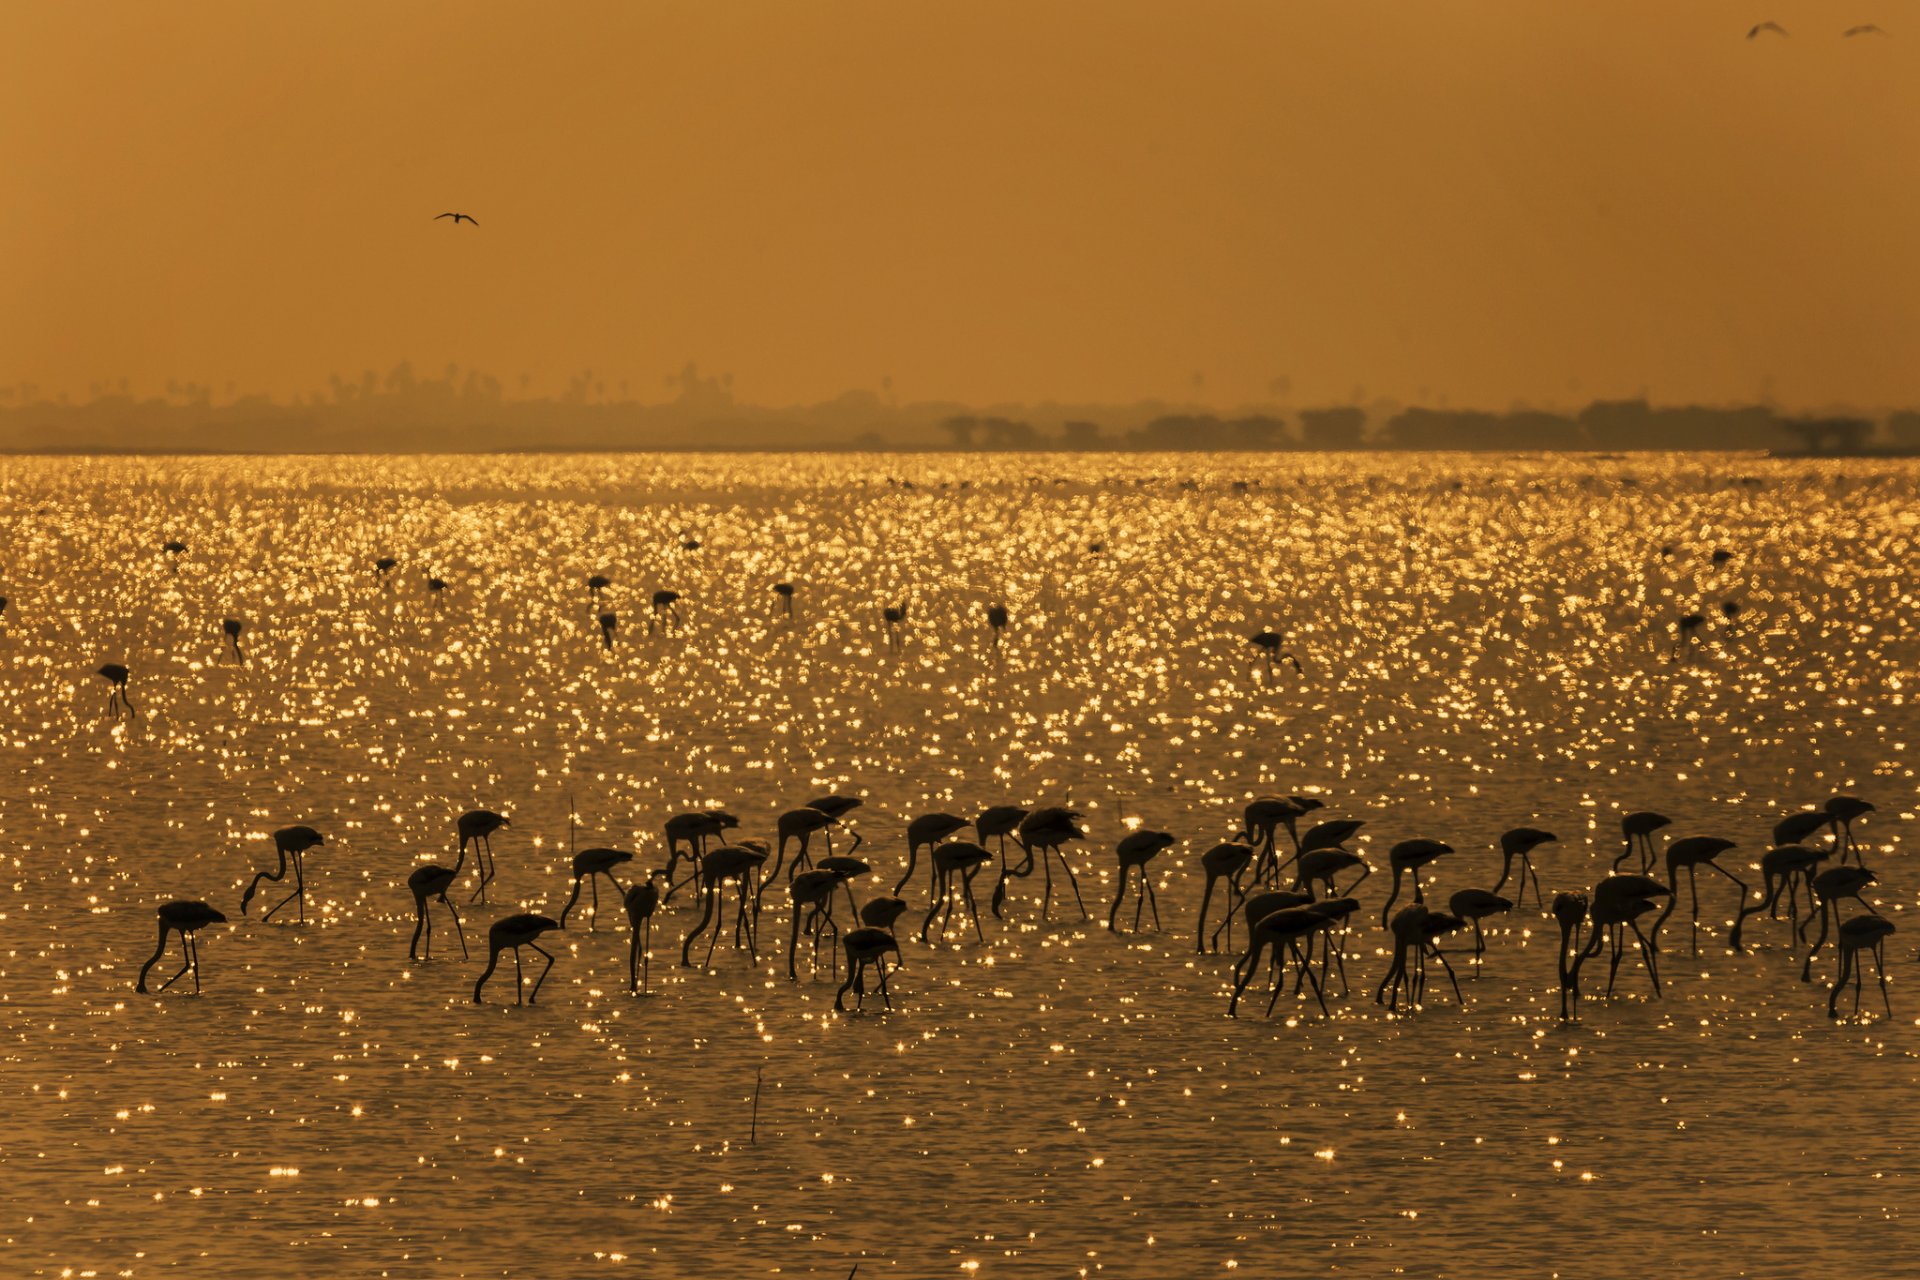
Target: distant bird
[597,583]
[996,622]
[866,947]
[1864,29]
[479,825]
[1730,610]
[784,590]
[665,607]
[516,932]
[1474,906]
[1618,902]
[1135,850]
[174,551]
[1867,933]
[607,623]
[1280,932]
[290,843]
[1785,866]
[432,881]
[1799,826]
[895,616]
[1570,910]
[116,676]
[589,865]
[1830,888]
[641,901]
[1046,830]
[1269,642]
[186,919]
[436,585]
[1689,632]
[232,628]
[1320,867]
[458,218]
[1720,554]
[812,893]
[882,912]
[384,566]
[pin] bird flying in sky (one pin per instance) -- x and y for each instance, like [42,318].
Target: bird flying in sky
[1766,26]
[458,218]
[1864,29]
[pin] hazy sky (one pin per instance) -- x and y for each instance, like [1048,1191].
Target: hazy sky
[1476,200]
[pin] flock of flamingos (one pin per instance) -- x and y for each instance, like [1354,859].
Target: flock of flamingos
[1296,916]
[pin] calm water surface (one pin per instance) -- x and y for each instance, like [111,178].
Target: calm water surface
[1486,642]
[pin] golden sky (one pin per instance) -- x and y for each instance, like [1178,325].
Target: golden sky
[1469,202]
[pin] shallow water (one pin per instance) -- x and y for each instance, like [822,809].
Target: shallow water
[1485,641]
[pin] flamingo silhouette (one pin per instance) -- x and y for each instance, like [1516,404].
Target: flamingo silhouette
[596,584]
[1135,850]
[641,901]
[960,857]
[1268,643]
[1830,888]
[813,890]
[1410,856]
[1800,826]
[996,623]
[997,823]
[1264,817]
[607,623]
[1867,933]
[784,590]
[1281,932]
[881,913]
[589,865]
[290,843]
[1638,828]
[1618,902]
[232,628]
[433,881]
[1570,910]
[116,677]
[1046,830]
[1692,853]
[738,864]
[1783,867]
[1844,809]
[866,947]
[665,607]
[383,566]
[186,919]
[693,829]
[514,933]
[1321,866]
[1227,861]
[1475,906]
[894,616]
[478,825]
[929,829]
[1520,843]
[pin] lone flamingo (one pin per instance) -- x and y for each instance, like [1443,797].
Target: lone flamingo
[607,623]
[1268,643]
[185,919]
[516,932]
[895,616]
[232,628]
[116,677]
[290,843]
[597,583]
[996,622]
[478,825]
[665,607]
[784,590]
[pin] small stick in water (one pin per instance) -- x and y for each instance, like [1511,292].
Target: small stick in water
[753,1131]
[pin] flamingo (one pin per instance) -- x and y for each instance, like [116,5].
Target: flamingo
[641,901]
[433,881]
[1638,828]
[1135,850]
[1277,930]
[596,584]
[1830,887]
[964,858]
[589,865]
[515,932]
[1692,853]
[865,947]
[290,843]
[1867,933]
[881,913]
[812,890]
[1570,909]
[784,590]
[694,828]
[232,628]
[478,825]
[186,919]
[1046,830]
[1618,902]
[1268,643]
[1227,861]
[895,616]
[1785,867]
[996,623]
[738,863]
[928,829]
[608,622]
[1410,856]
[116,676]
[1844,809]
[665,607]
[1322,865]
[1520,843]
